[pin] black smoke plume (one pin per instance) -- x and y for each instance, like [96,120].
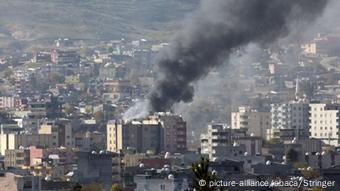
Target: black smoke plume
[214,32]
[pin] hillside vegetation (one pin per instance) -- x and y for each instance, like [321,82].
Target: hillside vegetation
[27,20]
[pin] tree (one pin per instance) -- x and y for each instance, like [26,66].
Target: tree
[56,78]
[76,187]
[92,187]
[88,110]
[317,189]
[99,116]
[115,187]
[202,176]
[68,108]
[292,155]
[8,73]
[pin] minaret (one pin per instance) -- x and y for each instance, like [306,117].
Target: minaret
[297,88]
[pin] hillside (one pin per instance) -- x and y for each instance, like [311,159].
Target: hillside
[90,19]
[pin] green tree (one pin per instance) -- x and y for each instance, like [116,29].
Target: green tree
[202,174]
[292,155]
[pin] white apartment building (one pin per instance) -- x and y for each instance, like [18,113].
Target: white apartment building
[324,122]
[292,115]
[8,102]
[257,122]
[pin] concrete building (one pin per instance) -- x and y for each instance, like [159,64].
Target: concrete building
[324,122]
[94,167]
[322,159]
[253,145]
[143,136]
[310,145]
[9,102]
[174,131]
[324,45]
[287,134]
[17,157]
[170,183]
[63,156]
[65,57]
[61,132]
[290,116]
[41,57]
[88,141]
[46,106]
[257,122]
[15,182]
[114,90]
[163,179]
[219,142]
[14,141]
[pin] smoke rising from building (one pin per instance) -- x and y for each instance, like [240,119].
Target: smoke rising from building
[138,110]
[214,32]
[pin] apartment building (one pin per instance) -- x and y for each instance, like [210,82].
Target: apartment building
[9,102]
[17,157]
[219,142]
[292,115]
[324,122]
[65,57]
[257,122]
[159,132]
[174,131]
[114,90]
[14,141]
[61,132]
[142,136]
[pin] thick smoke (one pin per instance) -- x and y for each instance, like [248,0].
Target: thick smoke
[218,29]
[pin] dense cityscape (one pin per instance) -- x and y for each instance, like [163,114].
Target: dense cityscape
[93,115]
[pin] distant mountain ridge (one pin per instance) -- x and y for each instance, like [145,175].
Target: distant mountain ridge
[90,19]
